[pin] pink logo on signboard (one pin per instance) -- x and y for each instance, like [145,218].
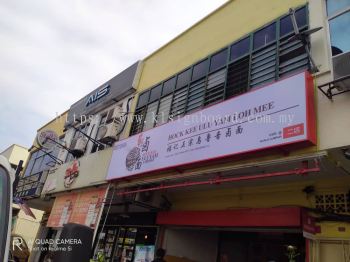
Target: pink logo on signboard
[140,154]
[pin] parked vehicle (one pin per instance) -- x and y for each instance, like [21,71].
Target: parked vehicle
[6,180]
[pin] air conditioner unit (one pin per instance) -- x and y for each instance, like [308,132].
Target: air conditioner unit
[110,132]
[341,68]
[78,146]
[152,199]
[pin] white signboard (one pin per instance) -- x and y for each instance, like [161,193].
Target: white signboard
[279,114]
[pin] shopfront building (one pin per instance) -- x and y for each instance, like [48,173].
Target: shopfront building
[71,186]
[235,134]
[77,186]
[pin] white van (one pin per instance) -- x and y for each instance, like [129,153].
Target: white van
[6,180]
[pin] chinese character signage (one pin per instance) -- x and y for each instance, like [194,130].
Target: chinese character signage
[280,114]
[81,208]
[62,210]
[87,207]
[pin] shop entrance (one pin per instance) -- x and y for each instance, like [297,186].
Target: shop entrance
[260,247]
[189,244]
[127,243]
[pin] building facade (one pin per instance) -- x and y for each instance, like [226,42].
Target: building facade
[22,224]
[239,140]
[229,143]
[65,175]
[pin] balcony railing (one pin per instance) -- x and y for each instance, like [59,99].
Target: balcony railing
[31,186]
[336,87]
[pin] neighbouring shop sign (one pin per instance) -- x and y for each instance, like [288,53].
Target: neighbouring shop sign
[280,114]
[47,139]
[113,90]
[72,172]
[88,206]
[88,171]
[81,208]
[62,210]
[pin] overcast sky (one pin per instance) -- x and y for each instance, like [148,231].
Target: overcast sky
[54,52]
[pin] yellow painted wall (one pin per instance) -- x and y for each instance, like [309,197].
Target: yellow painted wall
[56,124]
[234,20]
[27,226]
[335,251]
[15,153]
[220,28]
[229,23]
[264,196]
[331,230]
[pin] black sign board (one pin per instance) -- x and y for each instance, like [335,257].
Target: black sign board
[108,93]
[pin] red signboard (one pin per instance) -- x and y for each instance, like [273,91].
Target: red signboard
[292,131]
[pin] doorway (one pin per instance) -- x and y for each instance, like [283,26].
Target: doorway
[261,247]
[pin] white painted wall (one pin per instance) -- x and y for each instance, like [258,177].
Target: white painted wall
[333,117]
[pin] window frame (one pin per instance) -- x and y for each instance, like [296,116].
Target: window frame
[35,159]
[338,13]
[250,52]
[329,18]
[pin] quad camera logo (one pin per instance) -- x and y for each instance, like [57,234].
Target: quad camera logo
[140,154]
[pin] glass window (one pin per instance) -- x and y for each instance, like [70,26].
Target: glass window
[47,162]
[37,165]
[168,86]
[137,123]
[200,70]
[240,48]
[340,33]
[178,103]
[265,36]
[29,166]
[183,78]
[164,110]
[143,99]
[155,93]
[334,6]
[150,116]
[218,60]
[286,25]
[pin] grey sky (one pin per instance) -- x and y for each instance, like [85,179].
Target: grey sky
[54,52]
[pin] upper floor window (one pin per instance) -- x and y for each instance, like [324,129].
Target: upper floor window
[218,60]
[240,48]
[40,161]
[265,36]
[336,6]
[338,12]
[263,56]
